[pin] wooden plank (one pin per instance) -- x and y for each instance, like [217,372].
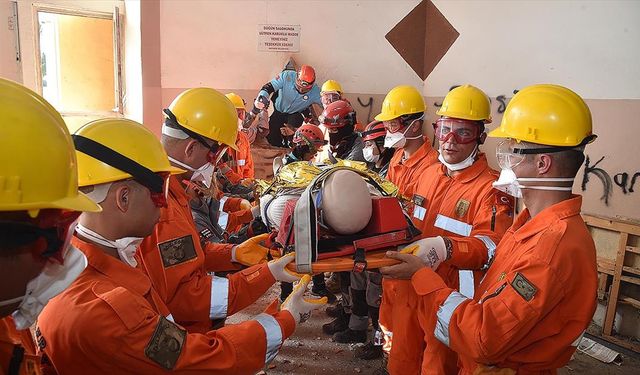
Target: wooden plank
[624,343]
[632,270]
[630,279]
[606,266]
[607,329]
[633,249]
[604,223]
[629,301]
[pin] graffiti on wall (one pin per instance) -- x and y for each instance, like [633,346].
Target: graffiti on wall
[625,181]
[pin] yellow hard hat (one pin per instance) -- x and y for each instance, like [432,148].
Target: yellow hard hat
[400,101]
[331,86]
[37,159]
[236,100]
[548,115]
[207,113]
[468,103]
[112,150]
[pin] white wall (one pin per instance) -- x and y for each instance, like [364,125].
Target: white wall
[9,66]
[591,46]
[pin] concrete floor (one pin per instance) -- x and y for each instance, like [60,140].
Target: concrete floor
[311,352]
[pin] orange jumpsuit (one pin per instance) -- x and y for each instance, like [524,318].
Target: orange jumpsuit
[17,349]
[112,321]
[474,216]
[532,306]
[405,175]
[178,267]
[242,161]
[232,217]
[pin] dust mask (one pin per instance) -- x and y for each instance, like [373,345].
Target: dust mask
[53,279]
[466,163]
[126,246]
[369,155]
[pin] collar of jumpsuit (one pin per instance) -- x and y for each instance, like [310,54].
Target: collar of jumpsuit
[130,278]
[524,226]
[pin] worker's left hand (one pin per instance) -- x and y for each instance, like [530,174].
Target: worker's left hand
[300,307]
[251,251]
[286,131]
[245,204]
[432,251]
[409,265]
[278,268]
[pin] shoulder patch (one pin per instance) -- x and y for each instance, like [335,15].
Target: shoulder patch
[165,345]
[524,287]
[176,251]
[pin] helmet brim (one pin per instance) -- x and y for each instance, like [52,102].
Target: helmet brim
[80,202]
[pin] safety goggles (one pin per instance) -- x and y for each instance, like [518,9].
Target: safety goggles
[242,113]
[53,226]
[159,199]
[507,157]
[393,126]
[215,157]
[462,131]
[329,97]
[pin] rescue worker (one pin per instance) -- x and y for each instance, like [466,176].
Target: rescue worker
[458,210]
[378,159]
[340,118]
[374,152]
[402,114]
[539,294]
[330,92]
[199,124]
[39,206]
[345,143]
[293,94]
[307,142]
[114,320]
[242,161]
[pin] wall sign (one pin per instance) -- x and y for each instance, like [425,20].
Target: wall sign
[279,38]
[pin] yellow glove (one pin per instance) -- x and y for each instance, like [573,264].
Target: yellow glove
[251,252]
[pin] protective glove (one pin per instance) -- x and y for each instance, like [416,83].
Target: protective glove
[245,204]
[259,104]
[278,268]
[431,250]
[251,251]
[300,307]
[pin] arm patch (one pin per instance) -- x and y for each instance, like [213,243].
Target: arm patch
[524,287]
[176,251]
[165,345]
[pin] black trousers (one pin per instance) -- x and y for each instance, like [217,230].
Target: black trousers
[278,120]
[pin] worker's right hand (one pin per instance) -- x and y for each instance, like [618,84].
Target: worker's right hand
[431,250]
[261,102]
[300,307]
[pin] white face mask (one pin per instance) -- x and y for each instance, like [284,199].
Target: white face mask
[369,155]
[399,140]
[466,163]
[509,183]
[204,174]
[53,279]
[126,246]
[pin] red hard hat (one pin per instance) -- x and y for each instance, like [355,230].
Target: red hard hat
[311,133]
[374,131]
[306,75]
[338,114]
